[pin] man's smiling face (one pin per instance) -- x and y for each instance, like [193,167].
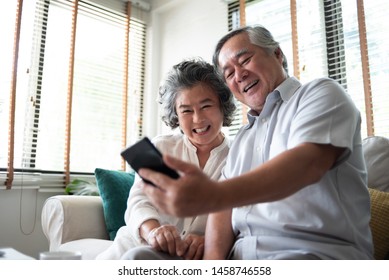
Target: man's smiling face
[249,71]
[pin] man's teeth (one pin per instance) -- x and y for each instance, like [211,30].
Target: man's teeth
[250,86]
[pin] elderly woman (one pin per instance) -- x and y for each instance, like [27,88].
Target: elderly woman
[195,100]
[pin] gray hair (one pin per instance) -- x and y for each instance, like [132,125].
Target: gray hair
[186,75]
[258,36]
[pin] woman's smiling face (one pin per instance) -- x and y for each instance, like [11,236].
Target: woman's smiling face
[200,116]
[249,71]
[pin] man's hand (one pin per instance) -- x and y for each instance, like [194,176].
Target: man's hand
[184,196]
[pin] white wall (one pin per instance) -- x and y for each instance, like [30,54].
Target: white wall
[179,29]
[20,220]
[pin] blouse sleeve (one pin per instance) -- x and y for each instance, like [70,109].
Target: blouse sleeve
[139,209]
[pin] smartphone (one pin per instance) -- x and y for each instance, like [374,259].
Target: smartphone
[143,154]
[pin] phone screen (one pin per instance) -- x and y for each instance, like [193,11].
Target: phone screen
[143,154]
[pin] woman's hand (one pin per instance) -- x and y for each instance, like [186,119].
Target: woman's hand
[166,238]
[195,249]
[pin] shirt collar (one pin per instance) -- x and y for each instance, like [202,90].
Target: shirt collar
[284,91]
[288,87]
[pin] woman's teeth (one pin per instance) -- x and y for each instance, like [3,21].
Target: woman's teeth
[200,130]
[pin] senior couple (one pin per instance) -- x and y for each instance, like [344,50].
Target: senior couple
[291,185]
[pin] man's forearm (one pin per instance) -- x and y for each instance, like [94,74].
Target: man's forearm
[219,236]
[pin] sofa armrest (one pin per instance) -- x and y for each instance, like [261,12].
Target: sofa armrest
[70,217]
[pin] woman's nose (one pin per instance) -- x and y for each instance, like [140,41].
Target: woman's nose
[198,116]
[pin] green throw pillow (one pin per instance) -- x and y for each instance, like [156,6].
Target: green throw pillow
[114,187]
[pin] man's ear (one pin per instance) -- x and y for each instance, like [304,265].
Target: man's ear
[278,52]
[279,55]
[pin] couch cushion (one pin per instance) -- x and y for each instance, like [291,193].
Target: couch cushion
[89,247]
[376,153]
[114,187]
[380,222]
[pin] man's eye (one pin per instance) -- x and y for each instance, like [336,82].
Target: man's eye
[245,61]
[229,75]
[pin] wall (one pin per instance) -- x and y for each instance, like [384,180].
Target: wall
[178,29]
[20,216]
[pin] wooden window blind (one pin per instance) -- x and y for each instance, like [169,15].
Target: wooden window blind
[375,57]
[345,40]
[78,91]
[10,14]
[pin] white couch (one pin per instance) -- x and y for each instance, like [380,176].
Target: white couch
[76,223]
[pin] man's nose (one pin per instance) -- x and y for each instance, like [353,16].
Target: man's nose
[240,74]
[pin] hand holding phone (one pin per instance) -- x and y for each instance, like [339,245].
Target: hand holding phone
[143,154]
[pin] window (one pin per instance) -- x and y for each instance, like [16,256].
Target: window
[333,44]
[95,88]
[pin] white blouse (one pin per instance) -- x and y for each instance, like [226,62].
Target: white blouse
[139,209]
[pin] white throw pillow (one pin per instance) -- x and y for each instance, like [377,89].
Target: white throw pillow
[376,153]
